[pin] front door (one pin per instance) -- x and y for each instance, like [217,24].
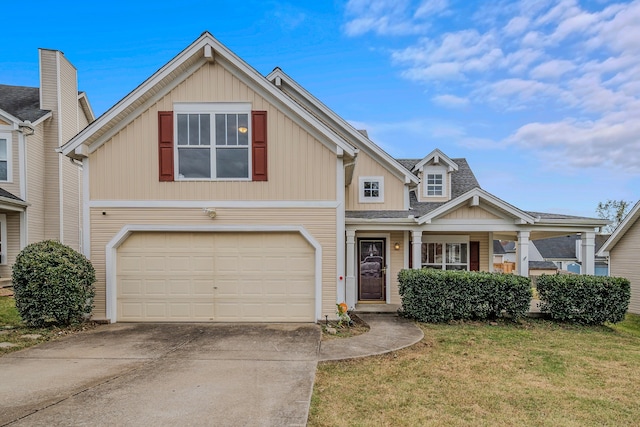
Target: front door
[372,269]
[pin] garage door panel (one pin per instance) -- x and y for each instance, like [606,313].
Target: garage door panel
[227,277]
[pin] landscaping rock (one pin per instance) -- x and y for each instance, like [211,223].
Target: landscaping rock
[331,331]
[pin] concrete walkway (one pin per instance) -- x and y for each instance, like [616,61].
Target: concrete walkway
[388,333]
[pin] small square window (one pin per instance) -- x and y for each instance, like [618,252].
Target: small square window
[371,189]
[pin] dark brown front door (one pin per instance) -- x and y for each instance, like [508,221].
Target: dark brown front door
[372,269]
[474,256]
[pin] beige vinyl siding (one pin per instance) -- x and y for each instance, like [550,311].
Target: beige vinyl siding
[83,120]
[2,122]
[37,211]
[320,222]
[393,187]
[470,213]
[396,264]
[624,263]
[12,242]
[49,95]
[71,203]
[126,167]
[13,183]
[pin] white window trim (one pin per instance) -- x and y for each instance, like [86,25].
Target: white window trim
[443,240]
[9,137]
[211,108]
[362,198]
[435,170]
[3,239]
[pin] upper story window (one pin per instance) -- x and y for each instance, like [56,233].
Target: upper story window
[434,184]
[213,141]
[5,157]
[371,189]
[434,181]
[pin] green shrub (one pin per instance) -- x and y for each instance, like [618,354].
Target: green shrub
[53,284]
[587,300]
[440,296]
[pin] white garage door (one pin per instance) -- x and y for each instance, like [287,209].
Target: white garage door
[222,277]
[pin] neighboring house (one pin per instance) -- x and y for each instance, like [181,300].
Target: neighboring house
[39,188]
[622,249]
[214,193]
[498,252]
[566,253]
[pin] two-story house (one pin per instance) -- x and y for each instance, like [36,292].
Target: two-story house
[214,193]
[40,189]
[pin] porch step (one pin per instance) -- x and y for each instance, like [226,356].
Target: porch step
[377,308]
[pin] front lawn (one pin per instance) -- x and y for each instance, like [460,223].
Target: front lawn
[533,373]
[14,335]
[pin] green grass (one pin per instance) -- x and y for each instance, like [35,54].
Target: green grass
[533,373]
[13,330]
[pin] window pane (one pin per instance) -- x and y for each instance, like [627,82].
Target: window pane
[232,162]
[205,133]
[3,170]
[183,132]
[221,130]
[232,129]
[194,162]
[194,129]
[243,135]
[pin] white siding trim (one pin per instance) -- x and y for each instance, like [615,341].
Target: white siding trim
[60,170]
[209,203]
[86,220]
[127,230]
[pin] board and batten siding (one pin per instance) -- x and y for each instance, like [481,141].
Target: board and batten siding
[319,222]
[623,262]
[126,167]
[470,213]
[393,186]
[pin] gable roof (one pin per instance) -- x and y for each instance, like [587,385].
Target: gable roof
[359,138]
[620,230]
[498,249]
[462,178]
[204,49]
[437,157]
[564,247]
[21,102]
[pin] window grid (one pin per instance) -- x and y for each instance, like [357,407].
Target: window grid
[434,184]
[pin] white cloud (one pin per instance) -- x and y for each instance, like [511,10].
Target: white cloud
[389,17]
[553,69]
[573,69]
[450,101]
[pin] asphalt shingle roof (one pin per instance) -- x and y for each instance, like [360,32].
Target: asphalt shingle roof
[22,102]
[542,265]
[4,193]
[564,246]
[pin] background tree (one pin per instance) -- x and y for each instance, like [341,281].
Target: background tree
[613,210]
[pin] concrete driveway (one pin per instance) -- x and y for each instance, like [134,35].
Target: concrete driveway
[164,374]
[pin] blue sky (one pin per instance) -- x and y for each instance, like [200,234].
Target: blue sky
[542,97]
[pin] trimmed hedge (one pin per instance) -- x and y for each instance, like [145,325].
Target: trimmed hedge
[587,300]
[440,296]
[53,284]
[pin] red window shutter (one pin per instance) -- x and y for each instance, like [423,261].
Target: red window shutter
[259,145]
[165,145]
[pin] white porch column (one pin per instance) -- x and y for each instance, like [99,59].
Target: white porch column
[522,251]
[416,258]
[588,253]
[350,283]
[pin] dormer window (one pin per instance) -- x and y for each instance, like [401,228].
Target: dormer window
[434,181]
[434,184]
[371,189]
